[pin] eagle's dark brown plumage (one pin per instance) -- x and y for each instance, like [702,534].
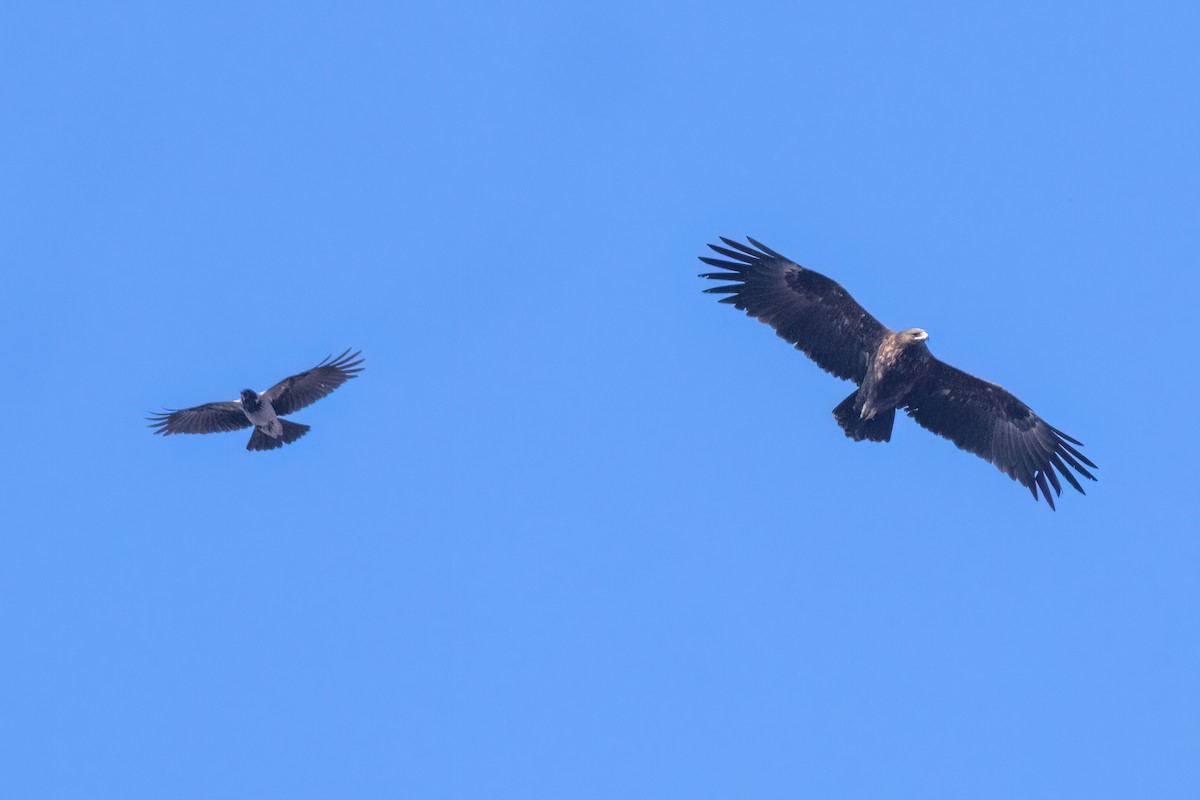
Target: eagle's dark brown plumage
[894,369]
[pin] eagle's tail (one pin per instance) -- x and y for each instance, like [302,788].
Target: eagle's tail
[291,432]
[877,429]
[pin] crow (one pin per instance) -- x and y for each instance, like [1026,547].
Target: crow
[263,411]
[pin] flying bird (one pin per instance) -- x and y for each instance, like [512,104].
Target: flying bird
[894,370]
[262,411]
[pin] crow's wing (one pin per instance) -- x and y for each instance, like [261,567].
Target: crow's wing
[987,420]
[811,311]
[294,393]
[208,418]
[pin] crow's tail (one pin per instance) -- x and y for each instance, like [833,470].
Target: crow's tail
[291,432]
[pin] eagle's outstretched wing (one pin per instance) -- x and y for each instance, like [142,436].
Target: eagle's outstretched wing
[985,419]
[811,311]
[208,418]
[294,393]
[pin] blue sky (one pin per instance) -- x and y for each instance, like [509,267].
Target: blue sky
[578,531]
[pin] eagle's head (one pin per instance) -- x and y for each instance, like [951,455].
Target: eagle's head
[249,398]
[914,335]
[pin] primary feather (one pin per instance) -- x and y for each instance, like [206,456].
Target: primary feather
[294,393]
[804,307]
[208,418]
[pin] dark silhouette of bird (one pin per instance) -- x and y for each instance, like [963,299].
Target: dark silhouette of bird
[894,370]
[262,411]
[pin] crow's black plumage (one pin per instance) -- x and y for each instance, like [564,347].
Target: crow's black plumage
[894,370]
[262,411]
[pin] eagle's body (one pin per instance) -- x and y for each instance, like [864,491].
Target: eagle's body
[894,370]
[263,411]
[896,366]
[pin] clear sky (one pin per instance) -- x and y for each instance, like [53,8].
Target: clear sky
[578,531]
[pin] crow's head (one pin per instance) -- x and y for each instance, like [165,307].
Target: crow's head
[249,398]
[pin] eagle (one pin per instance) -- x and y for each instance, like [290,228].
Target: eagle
[262,411]
[894,370]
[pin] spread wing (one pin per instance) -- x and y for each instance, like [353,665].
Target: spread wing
[984,419]
[811,311]
[208,418]
[294,393]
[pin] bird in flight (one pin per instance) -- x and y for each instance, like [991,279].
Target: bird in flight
[262,411]
[893,370]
